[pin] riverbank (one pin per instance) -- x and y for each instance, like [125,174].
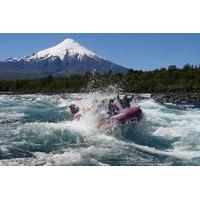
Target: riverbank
[191,97]
[3,93]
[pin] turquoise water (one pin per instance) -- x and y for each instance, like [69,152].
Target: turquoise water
[36,130]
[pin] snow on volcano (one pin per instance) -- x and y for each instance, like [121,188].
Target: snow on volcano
[68,46]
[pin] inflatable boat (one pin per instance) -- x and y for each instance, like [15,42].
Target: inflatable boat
[128,114]
[133,114]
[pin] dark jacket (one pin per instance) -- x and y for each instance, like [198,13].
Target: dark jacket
[112,109]
[125,102]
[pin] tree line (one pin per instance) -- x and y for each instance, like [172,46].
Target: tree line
[170,79]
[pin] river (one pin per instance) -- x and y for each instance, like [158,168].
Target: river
[36,130]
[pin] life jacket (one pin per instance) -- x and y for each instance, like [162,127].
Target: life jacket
[112,109]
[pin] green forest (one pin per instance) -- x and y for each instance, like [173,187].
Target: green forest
[170,79]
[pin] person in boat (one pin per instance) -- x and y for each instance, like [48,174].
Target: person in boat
[125,102]
[73,111]
[112,108]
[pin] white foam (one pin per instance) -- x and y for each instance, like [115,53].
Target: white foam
[183,124]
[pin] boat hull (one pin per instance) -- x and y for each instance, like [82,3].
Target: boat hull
[129,114]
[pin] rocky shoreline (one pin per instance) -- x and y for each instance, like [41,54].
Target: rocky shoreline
[189,98]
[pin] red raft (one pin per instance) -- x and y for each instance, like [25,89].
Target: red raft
[128,114]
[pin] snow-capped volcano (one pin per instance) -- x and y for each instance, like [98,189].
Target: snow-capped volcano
[65,58]
[68,46]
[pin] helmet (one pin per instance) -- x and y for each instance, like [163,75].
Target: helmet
[111,100]
[125,96]
[72,106]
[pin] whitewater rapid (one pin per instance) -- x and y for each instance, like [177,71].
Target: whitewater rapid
[36,130]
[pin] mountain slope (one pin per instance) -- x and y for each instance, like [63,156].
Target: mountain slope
[66,58]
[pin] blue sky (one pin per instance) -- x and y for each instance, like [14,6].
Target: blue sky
[140,51]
